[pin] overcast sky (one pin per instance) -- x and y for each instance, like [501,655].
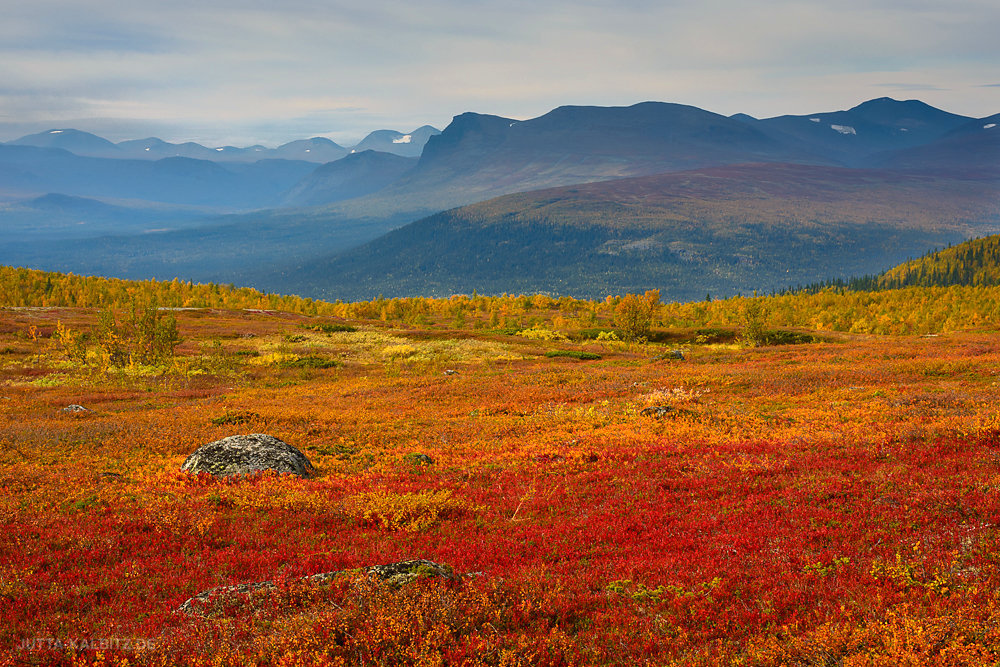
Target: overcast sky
[260,71]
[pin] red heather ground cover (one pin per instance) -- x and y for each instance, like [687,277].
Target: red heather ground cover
[824,504]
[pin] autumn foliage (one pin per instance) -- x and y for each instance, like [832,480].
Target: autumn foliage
[834,502]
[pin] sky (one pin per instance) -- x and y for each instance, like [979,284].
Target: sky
[242,72]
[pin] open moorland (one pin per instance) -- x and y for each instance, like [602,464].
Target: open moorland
[728,487]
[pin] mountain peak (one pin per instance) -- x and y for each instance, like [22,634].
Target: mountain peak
[410,144]
[74,141]
[470,130]
[888,111]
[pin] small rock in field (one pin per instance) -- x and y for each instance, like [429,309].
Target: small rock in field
[245,454]
[397,574]
[75,408]
[657,411]
[419,459]
[450,372]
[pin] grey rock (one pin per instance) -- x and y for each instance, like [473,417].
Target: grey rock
[245,454]
[75,408]
[398,574]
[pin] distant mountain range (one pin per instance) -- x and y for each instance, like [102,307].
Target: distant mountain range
[317,149]
[592,200]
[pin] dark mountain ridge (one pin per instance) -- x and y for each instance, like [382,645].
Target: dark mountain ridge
[575,144]
[971,146]
[858,136]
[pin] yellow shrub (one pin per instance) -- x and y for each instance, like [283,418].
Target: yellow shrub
[401,351]
[403,511]
[541,334]
[274,359]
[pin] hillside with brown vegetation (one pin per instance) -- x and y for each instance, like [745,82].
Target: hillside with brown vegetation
[724,231]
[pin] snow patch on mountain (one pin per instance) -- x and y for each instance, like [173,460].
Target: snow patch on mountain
[844,129]
[815,120]
[989,126]
[405,139]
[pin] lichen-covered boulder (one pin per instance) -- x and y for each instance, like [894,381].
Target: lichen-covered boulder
[244,454]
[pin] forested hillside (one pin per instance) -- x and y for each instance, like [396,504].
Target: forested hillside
[975,262]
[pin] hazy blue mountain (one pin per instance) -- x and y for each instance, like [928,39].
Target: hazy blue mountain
[29,170]
[391,141]
[85,144]
[317,149]
[356,175]
[57,217]
[74,141]
[157,149]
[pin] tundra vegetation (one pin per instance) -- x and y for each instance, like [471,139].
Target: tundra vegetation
[820,490]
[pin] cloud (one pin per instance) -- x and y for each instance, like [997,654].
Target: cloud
[910,86]
[228,67]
